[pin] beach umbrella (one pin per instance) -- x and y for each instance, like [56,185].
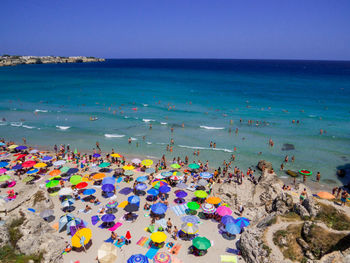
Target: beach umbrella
[112,204]
[128,172]
[164,189]
[3,170]
[175,166]
[13,146]
[158,237]
[75,179]
[17,167]
[193,166]
[202,182]
[232,228]
[166,174]
[147,162]
[107,253]
[46,158]
[227,219]
[74,223]
[68,202]
[141,187]
[20,156]
[96,155]
[162,257]
[46,213]
[104,165]
[201,243]
[153,192]
[131,208]
[34,151]
[242,222]
[81,185]
[200,194]
[89,192]
[108,187]
[181,194]
[59,163]
[142,179]
[159,208]
[189,228]
[65,191]
[190,219]
[52,183]
[64,169]
[63,221]
[4,178]
[136,161]
[58,177]
[28,164]
[128,167]
[325,195]
[55,172]
[175,178]
[81,237]
[134,199]
[72,170]
[108,218]
[40,165]
[98,176]
[206,175]
[223,210]
[108,180]
[27,179]
[192,205]
[116,155]
[208,208]
[138,258]
[32,171]
[21,147]
[150,170]
[213,200]
[158,183]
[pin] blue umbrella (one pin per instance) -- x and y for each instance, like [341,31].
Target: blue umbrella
[142,179]
[22,147]
[32,171]
[17,167]
[227,220]
[164,189]
[166,174]
[96,155]
[181,194]
[2,144]
[67,203]
[108,218]
[108,188]
[89,191]
[159,208]
[150,170]
[108,180]
[153,191]
[47,158]
[141,187]
[190,219]
[63,221]
[72,171]
[3,164]
[232,228]
[242,222]
[206,175]
[138,258]
[134,199]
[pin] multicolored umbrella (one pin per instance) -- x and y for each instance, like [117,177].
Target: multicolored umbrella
[175,178]
[138,258]
[242,222]
[81,237]
[159,208]
[158,237]
[189,228]
[192,205]
[67,203]
[193,166]
[74,223]
[107,253]
[63,221]
[112,204]
[158,183]
[201,243]
[223,211]
[162,257]
[208,208]
[200,194]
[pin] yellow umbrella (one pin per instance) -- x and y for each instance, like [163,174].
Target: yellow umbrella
[99,176]
[158,237]
[40,165]
[123,204]
[85,178]
[214,200]
[107,253]
[85,233]
[116,155]
[128,167]
[326,195]
[147,162]
[13,146]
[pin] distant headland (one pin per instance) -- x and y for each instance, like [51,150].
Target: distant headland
[8,60]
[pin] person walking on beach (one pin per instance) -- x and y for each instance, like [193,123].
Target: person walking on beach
[343,198]
[24,141]
[169,226]
[175,233]
[98,146]
[318,177]
[303,195]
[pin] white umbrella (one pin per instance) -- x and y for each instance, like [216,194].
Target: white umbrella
[107,253]
[136,161]
[59,163]
[65,191]
[34,151]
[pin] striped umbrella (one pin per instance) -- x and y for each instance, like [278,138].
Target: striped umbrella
[208,208]
[113,204]
[138,258]
[189,228]
[162,257]
[242,222]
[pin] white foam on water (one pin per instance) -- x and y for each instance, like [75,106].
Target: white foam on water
[126,117]
[211,128]
[164,123]
[145,105]
[2,123]
[147,120]
[108,135]
[63,127]
[16,124]
[206,148]
[40,110]
[148,142]
[161,143]
[133,139]
[28,127]
[222,149]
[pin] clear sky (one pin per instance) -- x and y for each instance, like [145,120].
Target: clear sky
[262,29]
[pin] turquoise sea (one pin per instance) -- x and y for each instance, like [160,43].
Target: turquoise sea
[51,104]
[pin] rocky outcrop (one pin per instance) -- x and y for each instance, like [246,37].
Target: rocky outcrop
[300,210]
[311,206]
[252,247]
[262,164]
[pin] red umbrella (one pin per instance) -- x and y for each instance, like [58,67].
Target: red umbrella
[81,185]
[21,156]
[128,235]
[28,164]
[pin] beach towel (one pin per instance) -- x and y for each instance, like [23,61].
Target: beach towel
[175,249]
[120,244]
[179,209]
[55,226]
[228,258]
[152,252]
[109,240]
[119,180]
[175,260]
[142,241]
[161,222]
[118,224]
[147,243]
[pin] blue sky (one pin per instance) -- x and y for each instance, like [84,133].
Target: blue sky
[261,29]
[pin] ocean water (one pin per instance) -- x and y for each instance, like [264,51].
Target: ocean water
[51,104]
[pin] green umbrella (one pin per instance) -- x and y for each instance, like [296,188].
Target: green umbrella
[104,165]
[201,243]
[151,228]
[27,179]
[64,169]
[193,205]
[75,179]
[193,166]
[75,151]
[4,178]
[200,194]
[128,172]
[52,183]
[176,166]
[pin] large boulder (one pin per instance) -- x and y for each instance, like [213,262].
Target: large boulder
[311,206]
[300,210]
[251,246]
[264,164]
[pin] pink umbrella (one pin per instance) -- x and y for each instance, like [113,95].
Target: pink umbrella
[223,211]
[28,164]
[3,170]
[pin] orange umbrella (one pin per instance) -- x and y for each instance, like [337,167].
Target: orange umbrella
[99,176]
[214,200]
[55,172]
[326,195]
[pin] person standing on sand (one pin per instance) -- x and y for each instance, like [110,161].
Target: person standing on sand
[175,233]
[98,146]
[344,195]
[24,141]
[318,177]
[304,178]
[303,195]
